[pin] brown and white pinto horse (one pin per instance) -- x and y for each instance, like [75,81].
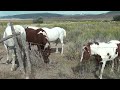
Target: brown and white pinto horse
[103,52]
[38,37]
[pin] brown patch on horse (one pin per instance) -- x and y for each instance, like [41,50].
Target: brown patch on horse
[87,51]
[118,50]
[40,40]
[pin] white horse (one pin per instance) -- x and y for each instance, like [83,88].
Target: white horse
[107,52]
[10,44]
[114,41]
[54,34]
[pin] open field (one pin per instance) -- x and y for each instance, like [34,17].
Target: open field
[67,66]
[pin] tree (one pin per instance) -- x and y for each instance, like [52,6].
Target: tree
[116,18]
[38,20]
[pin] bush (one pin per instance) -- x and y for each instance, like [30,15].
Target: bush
[38,20]
[116,18]
[72,52]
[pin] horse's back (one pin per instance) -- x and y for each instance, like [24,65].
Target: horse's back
[33,27]
[8,31]
[114,41]
[52,34]
[17,28]
[60,30]
[104,48]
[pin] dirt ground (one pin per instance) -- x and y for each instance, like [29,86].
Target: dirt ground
[59,68]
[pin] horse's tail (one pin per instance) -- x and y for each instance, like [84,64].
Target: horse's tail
[64,33]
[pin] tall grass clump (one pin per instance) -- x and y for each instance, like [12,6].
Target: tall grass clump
[88,32]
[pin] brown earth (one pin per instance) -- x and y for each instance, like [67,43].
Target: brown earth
[59,68]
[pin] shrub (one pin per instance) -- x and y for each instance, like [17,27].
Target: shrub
[116,18]
[38,20]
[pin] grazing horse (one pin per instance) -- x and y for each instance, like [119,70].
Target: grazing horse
[38,37]
[10,44]
[53,35]
[102,51]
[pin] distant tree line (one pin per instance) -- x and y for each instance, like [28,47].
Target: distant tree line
[38,20]
[116,18]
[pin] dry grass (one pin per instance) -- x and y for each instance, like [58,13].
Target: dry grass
[68,66]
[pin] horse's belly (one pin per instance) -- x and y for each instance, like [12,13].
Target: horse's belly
[53,36]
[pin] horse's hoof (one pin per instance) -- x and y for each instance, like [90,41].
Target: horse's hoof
[27,77]
[100,77]
[12,69]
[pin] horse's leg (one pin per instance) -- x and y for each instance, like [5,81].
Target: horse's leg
[112,66]
[61,40]
[7,49]
[13,60]
[118,66]
[62,48]
[102,69]
[56,46]
[29,46]
[28,62]
[8,58]
[40,52]
[56,49]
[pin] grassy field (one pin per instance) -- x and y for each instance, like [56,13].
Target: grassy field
[78,33]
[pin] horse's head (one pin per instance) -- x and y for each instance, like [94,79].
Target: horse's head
[86,52]
[40,30]
[46,52]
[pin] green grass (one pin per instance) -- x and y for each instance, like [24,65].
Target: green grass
[79,32]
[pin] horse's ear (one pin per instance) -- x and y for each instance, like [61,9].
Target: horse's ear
[86,48]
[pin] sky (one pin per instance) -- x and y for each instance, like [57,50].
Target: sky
[6,13]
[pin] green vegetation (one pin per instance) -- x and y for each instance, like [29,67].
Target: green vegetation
[116,18]
[38,20]
[80,32]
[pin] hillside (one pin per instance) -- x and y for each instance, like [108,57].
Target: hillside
[108,15]
[32,16]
